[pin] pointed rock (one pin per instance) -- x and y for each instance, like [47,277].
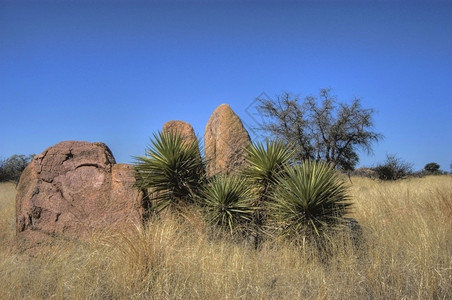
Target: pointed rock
[182,128]
[225,140]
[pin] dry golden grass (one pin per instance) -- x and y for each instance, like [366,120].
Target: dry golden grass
[407,254]
[7,214]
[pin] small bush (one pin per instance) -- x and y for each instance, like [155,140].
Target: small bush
[172,170]
[227,201]
[432,169]
[393,168]
[265,163]
[12,167]
[309,200]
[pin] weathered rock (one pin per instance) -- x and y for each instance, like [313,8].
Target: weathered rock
[73,189]
[183,128]
[365,172]
[225,140]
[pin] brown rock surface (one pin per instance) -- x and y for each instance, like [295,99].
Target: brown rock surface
[365,172]
[225,140]
[73,189]
[183,128]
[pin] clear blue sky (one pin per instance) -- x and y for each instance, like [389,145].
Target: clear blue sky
[115,71]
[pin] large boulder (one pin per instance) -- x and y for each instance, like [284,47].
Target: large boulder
[183,128]
[225,141]
[365,172]
[73,189]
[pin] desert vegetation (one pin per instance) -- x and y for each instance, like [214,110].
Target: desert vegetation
[404,253]
[319,128]
[278,227]
[270,191]
[11,168]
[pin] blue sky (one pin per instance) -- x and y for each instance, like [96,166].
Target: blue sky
[115,71]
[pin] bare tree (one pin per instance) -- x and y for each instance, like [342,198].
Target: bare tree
[320,128]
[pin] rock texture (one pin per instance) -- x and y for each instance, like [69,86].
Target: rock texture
[73,189]
[365,172]
[183,128]
[225,140]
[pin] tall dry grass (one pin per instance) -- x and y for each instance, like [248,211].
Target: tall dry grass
[406,254]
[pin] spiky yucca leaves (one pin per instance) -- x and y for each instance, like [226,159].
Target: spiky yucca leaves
[172,169]
[308,199]
[228,202]
[265,162]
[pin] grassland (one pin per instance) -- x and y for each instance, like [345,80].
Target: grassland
[406,254]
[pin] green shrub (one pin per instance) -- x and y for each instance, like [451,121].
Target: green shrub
[172,170]
[393,168]
[227,202]
[432,168]
[264,164]
[12,167]
[309,199]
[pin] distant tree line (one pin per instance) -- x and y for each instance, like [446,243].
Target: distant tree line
[394,168]
[12,167]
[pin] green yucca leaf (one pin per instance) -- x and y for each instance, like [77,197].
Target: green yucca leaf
[228,201]
[309,198]
[265,162]
[172,169]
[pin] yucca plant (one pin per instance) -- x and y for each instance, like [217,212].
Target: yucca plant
[308,199]
[172,170]
[265,162]
[228,202]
